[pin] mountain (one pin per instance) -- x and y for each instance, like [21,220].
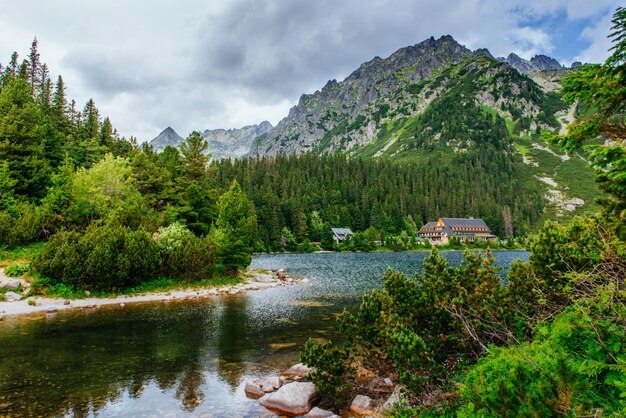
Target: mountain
[536,63]
[168,137]
[223,143]
[234,143]
[359,111]
[438,102]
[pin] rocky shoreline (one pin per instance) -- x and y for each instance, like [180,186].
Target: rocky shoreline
[292,395]
[18,303]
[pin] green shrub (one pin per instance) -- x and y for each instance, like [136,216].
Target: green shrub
[171,237]
[15,270]
[192,260]
[103,258]
[574,367]
[22,229]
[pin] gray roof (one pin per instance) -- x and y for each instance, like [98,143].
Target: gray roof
[466,222]
[341,231]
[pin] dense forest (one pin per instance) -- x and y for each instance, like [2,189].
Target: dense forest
[308,193]
[113,215]
[550,340]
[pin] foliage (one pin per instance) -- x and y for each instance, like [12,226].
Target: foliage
[107,257]
[171,237]
[192,260]
[330,369]
[601,91]
[16,270]
[235,229]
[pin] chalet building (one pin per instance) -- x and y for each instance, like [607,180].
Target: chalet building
[466,230]
[341,234]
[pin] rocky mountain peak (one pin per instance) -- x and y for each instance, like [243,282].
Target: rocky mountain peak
[168,137]
[544,63]
[536,63]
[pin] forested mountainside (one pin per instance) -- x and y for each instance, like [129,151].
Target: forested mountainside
[436,102]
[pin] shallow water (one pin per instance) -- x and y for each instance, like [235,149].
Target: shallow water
[185,358]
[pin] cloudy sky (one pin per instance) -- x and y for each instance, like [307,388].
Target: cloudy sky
[200,64]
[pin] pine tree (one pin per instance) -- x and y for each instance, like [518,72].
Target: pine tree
[235,229]
[34,75]
[194,154]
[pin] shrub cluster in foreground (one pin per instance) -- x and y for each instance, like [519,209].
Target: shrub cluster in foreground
[549,341]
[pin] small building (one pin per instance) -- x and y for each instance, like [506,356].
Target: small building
[467,230]
[341,234]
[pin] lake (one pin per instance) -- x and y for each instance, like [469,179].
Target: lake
[185,358]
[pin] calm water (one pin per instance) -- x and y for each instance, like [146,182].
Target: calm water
[187,358]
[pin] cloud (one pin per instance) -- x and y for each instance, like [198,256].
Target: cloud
[227,63]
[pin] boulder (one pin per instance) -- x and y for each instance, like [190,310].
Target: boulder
[363,405]
[11,284]
[297,371]
[253,390]
[259,387]
[234,291]
[270,383]
[52,309]
[394,399]
[66,302]
[304,281]
[321,413]
[292,399]
[12,296]
[263,278]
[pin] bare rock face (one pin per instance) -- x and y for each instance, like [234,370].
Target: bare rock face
[223,143]
[292,399]
[168,137]
[363,405]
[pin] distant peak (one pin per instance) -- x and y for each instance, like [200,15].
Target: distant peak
[169,130]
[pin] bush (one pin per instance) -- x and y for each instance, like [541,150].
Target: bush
[15,270]
[192,260]
[171,237]
[24,228]
[103,258]
[574,367]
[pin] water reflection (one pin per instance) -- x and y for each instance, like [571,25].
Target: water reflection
[182,358]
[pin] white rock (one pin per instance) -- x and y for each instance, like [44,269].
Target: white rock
[362,405]
[305,281]
[51,309]
[12,297]
[233,291]
[297,371]
[11,284]
[292,399]
[263,278]
[321,413]
[394,399]
[269,383]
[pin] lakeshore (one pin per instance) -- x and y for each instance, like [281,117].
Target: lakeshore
[27,305]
